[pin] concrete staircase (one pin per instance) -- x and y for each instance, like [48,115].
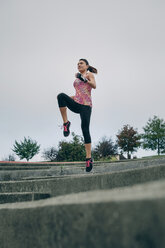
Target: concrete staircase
[117,205]
[22,196]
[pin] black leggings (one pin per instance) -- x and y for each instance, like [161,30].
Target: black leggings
[84,111]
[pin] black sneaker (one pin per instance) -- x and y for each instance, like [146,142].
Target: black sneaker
[89,164]
[66,126]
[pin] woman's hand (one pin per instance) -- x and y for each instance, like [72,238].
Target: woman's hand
[91,79]
[81,77]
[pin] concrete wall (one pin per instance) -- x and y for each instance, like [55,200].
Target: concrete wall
[123,211]
[80,183]
[15,172]
[127,218]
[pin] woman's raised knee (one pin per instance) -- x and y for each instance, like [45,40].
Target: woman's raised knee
[61,95]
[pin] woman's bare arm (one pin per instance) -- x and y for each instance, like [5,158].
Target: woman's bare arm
[91,80]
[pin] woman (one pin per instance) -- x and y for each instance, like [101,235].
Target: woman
[80,103]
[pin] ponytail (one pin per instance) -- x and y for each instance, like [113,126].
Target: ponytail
[90,68]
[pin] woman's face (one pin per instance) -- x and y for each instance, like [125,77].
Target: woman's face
[82,66]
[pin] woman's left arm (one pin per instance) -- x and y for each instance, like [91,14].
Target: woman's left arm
[91,80]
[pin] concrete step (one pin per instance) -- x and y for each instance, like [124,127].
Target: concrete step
[79,183]
[129,217]
[22,196]
[38,171]
[66,171]
[15,175]
[35,164]
[156,160]
[21,167]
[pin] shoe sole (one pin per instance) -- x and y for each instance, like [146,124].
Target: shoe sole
[88,169]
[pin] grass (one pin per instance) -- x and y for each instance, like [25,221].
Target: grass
[155,156]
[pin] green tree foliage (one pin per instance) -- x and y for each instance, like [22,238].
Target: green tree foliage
[10,157]
[50,154]
[128,140]
[71,151]
[26,149]
[105,149]
[154,135]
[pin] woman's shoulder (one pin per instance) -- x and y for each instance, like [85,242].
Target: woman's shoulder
[90,74]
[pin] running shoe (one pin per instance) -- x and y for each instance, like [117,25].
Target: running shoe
[66,126]
[89,164]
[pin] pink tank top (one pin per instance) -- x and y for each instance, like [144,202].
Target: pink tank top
[83,92]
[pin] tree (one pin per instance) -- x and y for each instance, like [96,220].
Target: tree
[26,149]
[71,151]
[154,135]
[50,154]
[10,157]
[128,140]
[105,148]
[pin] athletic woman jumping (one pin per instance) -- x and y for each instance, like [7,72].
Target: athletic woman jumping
[81,103]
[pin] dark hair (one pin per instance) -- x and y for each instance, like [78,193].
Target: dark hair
[90,68]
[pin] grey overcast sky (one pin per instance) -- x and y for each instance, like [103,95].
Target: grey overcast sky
[41,42]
